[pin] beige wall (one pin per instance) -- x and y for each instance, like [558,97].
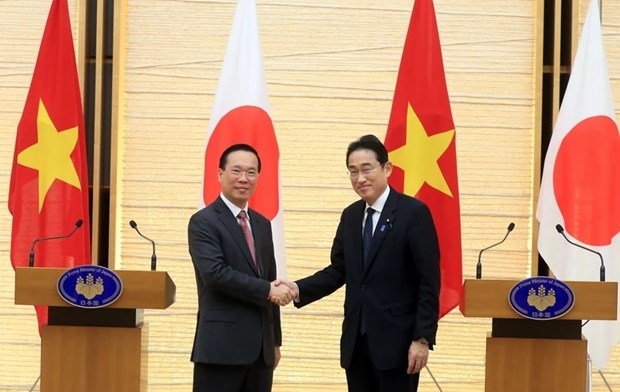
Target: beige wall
[331,68]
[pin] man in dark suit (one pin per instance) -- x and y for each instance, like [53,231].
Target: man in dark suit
[236,345]
[392,278]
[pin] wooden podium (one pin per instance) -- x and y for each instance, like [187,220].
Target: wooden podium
[537,355]
[95,350]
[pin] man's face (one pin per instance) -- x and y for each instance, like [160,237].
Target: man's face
[239,177]
[368,177]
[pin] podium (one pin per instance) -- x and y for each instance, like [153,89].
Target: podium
[94,350]
[537,355]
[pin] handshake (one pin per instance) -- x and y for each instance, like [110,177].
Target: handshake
[283,291]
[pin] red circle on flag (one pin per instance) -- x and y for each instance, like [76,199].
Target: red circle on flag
[586,180]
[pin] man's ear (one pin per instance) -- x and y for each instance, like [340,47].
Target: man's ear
[388,167]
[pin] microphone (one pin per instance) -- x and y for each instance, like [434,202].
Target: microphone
[134,226]
[511,226]
[560,230]
[78,224]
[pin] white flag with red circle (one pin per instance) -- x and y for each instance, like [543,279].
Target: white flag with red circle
[241,114]
[580,187]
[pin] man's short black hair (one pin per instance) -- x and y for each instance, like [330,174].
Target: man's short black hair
[369,142]
[238,147]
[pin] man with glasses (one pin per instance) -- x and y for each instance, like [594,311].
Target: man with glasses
[236,345]
[386,251]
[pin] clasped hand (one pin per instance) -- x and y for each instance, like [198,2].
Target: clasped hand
[283,291]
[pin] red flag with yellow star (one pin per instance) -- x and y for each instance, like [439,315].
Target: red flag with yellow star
[421,142]
[49,181]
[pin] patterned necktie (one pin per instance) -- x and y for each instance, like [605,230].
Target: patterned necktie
[243,222]
[367,233]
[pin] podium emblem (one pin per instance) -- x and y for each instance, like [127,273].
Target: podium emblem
[541,298]
[90,286]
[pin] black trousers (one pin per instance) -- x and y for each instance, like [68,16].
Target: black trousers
[256,377]
[364,376]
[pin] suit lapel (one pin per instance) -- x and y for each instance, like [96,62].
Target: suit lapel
[386,220]
[357,237]
[232,225]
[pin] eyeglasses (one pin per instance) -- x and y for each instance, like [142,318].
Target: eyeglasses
[249,174]
[366,171]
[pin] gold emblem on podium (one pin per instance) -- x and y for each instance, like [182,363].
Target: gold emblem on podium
[542,298]
[89,288]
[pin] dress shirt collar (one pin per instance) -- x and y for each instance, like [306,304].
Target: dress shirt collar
[233,208]
[380,202]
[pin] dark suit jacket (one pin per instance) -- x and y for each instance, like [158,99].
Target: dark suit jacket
[235,318]
[398,290]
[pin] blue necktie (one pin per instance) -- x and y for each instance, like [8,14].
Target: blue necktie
[367,233]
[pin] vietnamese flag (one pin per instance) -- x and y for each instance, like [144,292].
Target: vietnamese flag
[580,185]
[49,181]
[240,114]
[421,143]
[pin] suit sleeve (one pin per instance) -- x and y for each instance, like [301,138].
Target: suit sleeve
[272,275]
[208,256]
[329,279]
[425,245]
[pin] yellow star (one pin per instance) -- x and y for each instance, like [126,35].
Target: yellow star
[51,155]
[418,157]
